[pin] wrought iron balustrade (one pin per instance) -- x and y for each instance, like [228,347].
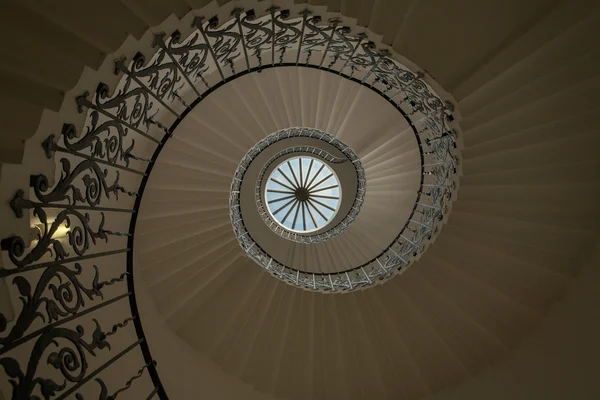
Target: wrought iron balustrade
[296,132]
[77,313]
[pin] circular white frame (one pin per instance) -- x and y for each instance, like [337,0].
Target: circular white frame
[293,183]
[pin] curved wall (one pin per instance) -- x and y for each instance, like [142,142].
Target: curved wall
[184,373]
[558,361]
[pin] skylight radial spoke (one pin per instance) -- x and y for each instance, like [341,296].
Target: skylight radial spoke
[300,165]
[312,161]
[323,204]
[296,216]
[298,184]
[304,214]
[280,191]
[287,178]
[283,184]
[324,197]
[285,205]
[316,209]
[314,177]
[325,188]
[280,199]
[321,181]
[288,213]
[311,214]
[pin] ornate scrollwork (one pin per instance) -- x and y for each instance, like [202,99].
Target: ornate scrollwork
[160,75]
[258,35]
[80,235]
[181,64]
[394,78]
[191,53]
[131,107]
[68,297]
[65,189]
[226,40]
[286,33]
[70,359]
[342,45]
[363,58]
[103,395]
[315,37]
[109,148]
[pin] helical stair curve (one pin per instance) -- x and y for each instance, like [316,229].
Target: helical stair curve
[515,240]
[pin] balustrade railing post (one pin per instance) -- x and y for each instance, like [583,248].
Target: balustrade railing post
[334,23]
[199,23]
[121,67]
[159,40]
[83,101]
[236,13]
[305,13]
[271,10]
[361,37]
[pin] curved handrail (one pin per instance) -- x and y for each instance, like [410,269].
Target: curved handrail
[60,278]
[308,238]
[349,155]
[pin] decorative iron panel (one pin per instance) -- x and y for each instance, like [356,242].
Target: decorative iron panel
[69,274]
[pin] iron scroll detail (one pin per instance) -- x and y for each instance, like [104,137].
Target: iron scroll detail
[62,281]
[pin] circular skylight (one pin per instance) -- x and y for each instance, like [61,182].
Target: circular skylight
[303,194]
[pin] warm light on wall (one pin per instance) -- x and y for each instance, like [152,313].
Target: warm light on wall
[61,232]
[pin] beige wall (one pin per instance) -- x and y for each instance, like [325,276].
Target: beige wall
[558,361]
[184,373]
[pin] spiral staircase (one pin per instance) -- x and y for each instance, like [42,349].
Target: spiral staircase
[138,258]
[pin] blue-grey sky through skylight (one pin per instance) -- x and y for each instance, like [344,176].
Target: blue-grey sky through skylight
[303,194]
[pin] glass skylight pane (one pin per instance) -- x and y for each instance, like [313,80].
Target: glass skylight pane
[312,190]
